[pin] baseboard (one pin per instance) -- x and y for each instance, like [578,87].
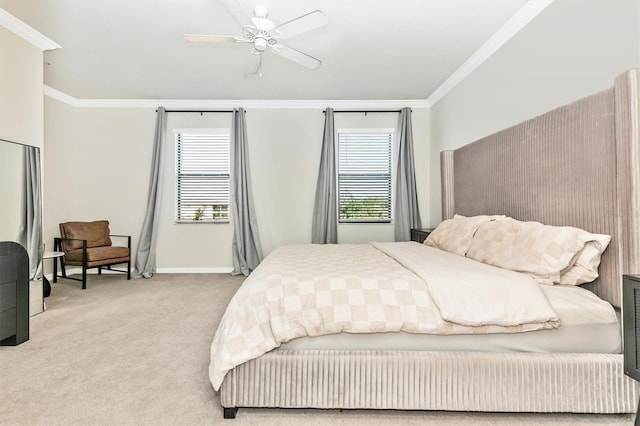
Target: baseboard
[36,298]
[205,270]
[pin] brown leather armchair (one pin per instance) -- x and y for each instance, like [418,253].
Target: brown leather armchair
[88,244]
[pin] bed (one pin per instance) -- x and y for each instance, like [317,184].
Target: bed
[576,166]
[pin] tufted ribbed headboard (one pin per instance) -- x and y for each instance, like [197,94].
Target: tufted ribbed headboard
[577,165]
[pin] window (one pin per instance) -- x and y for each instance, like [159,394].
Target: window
[202,175]
[364,175]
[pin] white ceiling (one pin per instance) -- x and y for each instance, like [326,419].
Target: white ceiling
[370,49]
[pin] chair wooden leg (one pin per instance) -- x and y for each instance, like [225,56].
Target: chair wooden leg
[63,268]
[85,260]
[57,246]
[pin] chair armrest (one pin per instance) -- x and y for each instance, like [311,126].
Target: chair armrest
[57,241]
[128,237]
[57,245]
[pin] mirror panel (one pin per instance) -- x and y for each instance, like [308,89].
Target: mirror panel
[21,201]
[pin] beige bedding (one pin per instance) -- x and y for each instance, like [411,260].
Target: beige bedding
[589,325]
[312,290]
[467,292]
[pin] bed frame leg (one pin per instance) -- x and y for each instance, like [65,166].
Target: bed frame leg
[230,413]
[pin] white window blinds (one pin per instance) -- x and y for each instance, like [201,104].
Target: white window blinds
[364,176]
[202,176]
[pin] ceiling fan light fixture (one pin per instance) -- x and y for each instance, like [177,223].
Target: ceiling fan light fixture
[260,44]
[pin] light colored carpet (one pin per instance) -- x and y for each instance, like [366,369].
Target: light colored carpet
[137,352]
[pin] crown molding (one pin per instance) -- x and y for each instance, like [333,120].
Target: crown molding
[522,17]
[231,103]
[23,30]
[59,96]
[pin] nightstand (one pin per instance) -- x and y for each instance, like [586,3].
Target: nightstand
[420,234]
[631,327]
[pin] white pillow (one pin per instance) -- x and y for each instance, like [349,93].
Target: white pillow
[544,252]
[454,235]
[585,269]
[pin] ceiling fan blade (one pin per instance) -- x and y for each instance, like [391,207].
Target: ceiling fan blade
[302,24]
[238,12]
[296,56]
[207,38]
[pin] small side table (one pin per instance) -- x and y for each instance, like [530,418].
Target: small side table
[46,286]
[631,326]
[420,234]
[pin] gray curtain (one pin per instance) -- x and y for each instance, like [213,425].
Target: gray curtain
[324,228]
[247,252]
[407,213]
[146,254]
[30,232]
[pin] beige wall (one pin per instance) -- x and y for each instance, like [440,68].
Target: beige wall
[95,167]
[21,83]
[21,120]
[572,49]
[99,163]
[10,182]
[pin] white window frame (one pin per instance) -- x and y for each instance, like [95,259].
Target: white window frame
[208,213]
[384,131]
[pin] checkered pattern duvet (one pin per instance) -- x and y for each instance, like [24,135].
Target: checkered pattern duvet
[311,290]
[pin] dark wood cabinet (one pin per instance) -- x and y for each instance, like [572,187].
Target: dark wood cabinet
[14,294]
[420,234]
[631,328]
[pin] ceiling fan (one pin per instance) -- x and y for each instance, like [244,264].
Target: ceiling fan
[262,34]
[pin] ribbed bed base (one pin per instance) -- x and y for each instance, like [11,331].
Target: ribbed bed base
[451,381]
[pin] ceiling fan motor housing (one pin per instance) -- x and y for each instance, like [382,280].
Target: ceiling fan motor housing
[261,11]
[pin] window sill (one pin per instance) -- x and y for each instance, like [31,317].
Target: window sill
[191,222]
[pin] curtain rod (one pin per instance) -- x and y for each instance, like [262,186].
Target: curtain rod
[195,110]
[365,111]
